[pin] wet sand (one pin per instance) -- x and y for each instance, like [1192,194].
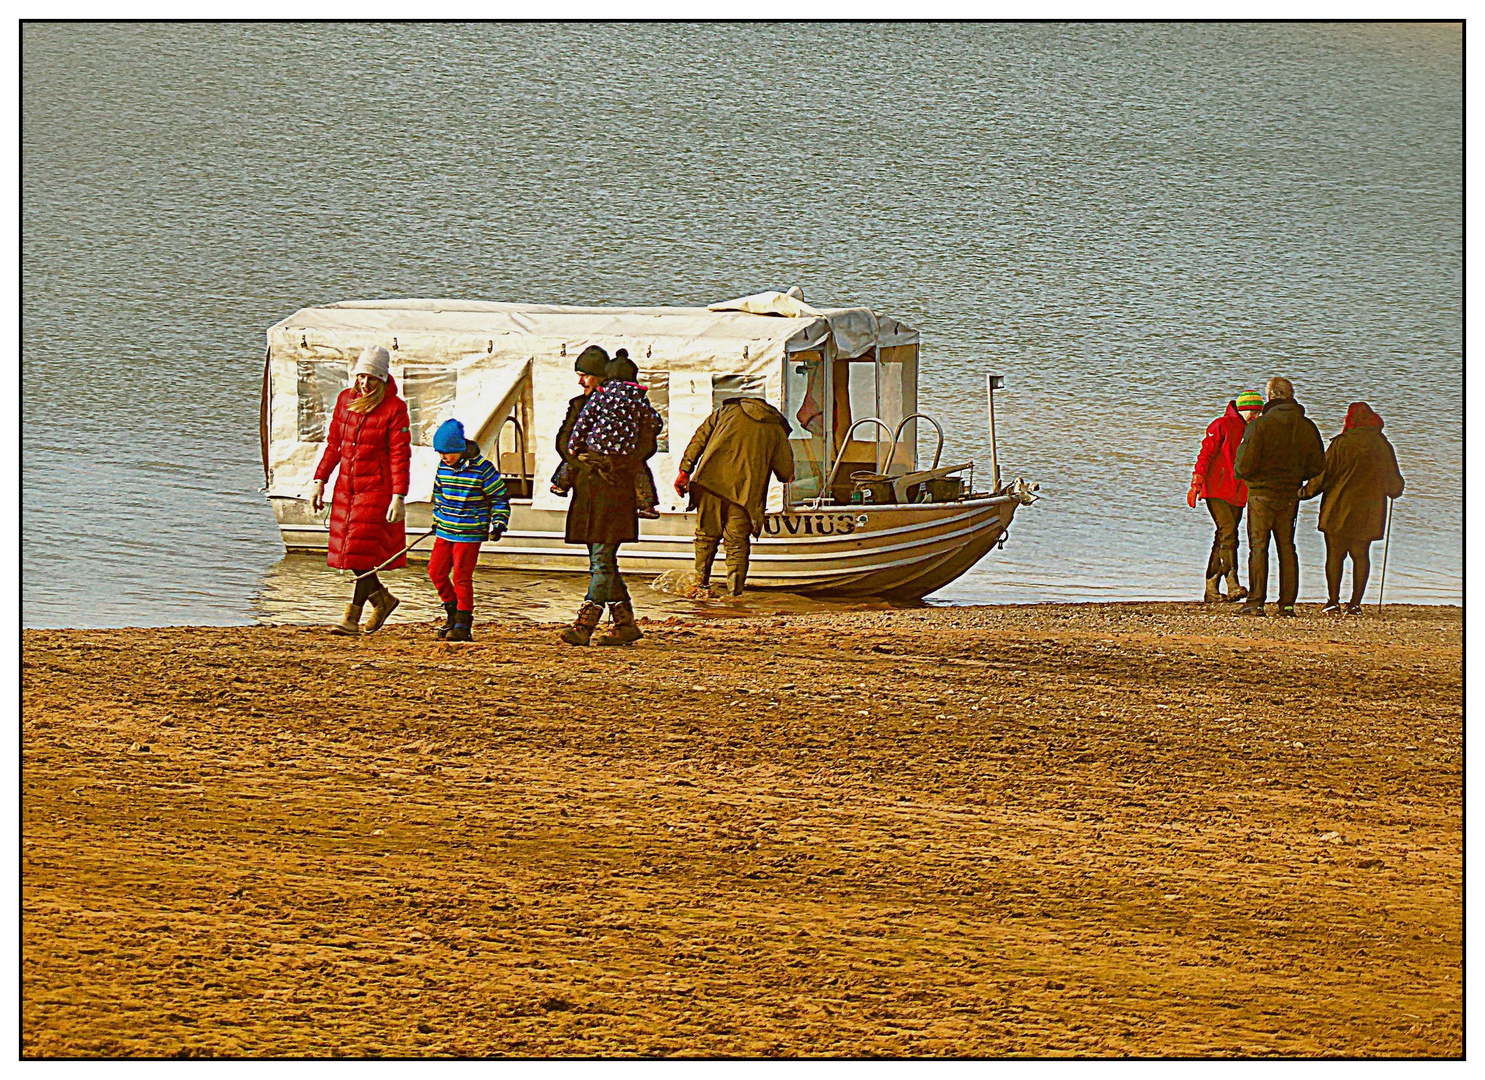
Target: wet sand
[1148,829]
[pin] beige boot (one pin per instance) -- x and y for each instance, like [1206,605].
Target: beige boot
[624,630]
[1213,594]
[350,623]
[581,631]
[383,603]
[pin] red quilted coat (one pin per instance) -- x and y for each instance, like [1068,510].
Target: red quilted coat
[372,450]
[1218,452]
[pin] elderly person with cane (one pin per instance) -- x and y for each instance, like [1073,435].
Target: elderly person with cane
[370,443]
[600,442]
[1360,475]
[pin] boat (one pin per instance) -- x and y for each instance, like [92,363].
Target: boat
[863,516]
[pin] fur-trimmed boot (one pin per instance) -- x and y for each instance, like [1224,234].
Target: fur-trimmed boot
[624,631]
[581,630]
[442,632]
[463,622]
[350,622]
[383,604]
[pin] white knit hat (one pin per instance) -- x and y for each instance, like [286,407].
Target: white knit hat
[374,361]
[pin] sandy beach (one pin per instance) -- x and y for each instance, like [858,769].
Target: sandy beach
[1125,829]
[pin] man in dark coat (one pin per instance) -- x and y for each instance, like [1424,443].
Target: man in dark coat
[1280,450]
[599,440]
[725,470]
[1360,475]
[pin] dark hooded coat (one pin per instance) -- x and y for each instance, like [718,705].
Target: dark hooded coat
[603,508]
[1360,475]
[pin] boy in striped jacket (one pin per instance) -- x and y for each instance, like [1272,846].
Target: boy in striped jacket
[469,506]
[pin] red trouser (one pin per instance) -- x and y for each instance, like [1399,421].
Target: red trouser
[459,557]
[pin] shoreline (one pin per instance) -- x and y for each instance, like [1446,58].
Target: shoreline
[719,611]
[1099,829]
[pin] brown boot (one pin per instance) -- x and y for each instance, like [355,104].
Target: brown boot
[350,623]
[581,631]
[383,604]
[624,631]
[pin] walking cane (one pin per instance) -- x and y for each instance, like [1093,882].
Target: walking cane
[399,555]
[1385,545]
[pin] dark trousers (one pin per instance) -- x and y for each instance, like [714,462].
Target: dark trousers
[605,585]
[365,589]
[1336,550]
[1225,517]
[1269,515]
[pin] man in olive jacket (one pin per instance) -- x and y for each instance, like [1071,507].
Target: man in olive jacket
[725,470]
[1280,450]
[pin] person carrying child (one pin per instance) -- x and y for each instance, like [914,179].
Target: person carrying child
[646,495]
[469,506]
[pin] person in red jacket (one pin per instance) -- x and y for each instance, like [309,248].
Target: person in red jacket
[1213,479]
[370,442]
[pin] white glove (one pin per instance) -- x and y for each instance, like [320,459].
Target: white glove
[396,511]
[317,498]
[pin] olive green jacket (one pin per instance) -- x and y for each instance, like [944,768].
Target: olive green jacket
[735,450]
[1360,475]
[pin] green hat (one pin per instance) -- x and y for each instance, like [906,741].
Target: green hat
[1249,399]
[592,361]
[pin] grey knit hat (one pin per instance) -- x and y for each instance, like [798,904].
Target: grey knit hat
[374,361]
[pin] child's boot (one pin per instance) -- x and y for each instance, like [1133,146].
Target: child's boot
[350,622]
[581,631]
[443,631]
[463,621]
[383,604]
[624,631]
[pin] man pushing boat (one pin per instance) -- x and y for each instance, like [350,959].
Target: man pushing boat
[725,471]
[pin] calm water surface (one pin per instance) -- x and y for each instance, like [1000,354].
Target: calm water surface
[1131,223]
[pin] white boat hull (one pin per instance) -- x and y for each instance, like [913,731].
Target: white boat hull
[900,552]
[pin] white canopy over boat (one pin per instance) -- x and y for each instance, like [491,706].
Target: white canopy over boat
[488,363]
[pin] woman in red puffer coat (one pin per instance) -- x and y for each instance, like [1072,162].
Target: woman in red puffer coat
[370,441]
[1213,479]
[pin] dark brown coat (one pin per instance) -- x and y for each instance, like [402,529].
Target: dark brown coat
[1360,475]
[603,508]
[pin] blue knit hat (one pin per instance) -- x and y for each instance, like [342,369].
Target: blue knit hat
[449,438]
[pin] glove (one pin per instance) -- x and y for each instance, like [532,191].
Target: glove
[682,483]
[496,532]
[1198,486]
[396,512]
[317,498]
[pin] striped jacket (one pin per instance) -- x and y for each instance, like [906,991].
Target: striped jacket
[469,499]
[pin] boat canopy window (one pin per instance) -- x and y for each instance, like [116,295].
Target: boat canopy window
[320,383]
[429,393]
[731,386]
[658,384]
[804,407]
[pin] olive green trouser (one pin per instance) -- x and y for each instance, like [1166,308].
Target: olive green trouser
[718,520]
